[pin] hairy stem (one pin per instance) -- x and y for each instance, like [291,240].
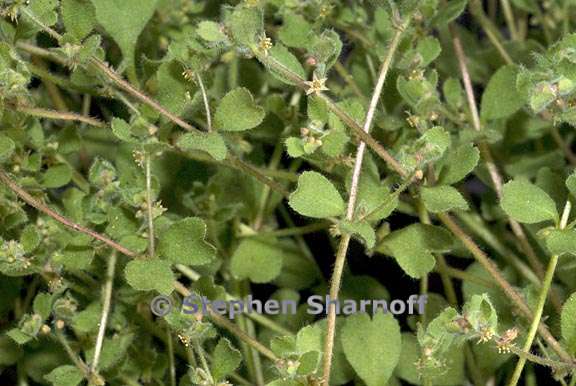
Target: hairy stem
[206,103]
[335,282]
[59,115]
[106,304]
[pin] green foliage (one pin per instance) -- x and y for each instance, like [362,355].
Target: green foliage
[316,197]
[372,346]
[237,111]
[67,375]
[243,150]
[527,203]
[412,247]
[146,275]
[257,260]
[183,243]
[226,359]
[124,22]
[501,99]
[443,198]
[569,323]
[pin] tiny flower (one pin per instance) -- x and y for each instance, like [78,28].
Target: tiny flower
[486,334]
[264,44]
[188,74]
[184,339]
[334,230]
[505,343]
[315,86]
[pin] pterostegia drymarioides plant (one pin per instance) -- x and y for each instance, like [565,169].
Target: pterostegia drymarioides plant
[284,149]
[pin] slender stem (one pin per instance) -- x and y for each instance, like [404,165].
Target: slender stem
[203,361]
[171,361]
[106,304]
[335,283]
[510,20]
[60,115]
[265,195]
[541,302]
[491,31]
[206,103]
[149,207]
[563,145]
[349,79]
[345,240]
[466,276]
[58,217]
[249,169]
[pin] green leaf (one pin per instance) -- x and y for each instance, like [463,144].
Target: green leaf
[362,229]
[412,247]
[238,111]
[560,242]
[210,31]
[449,12]
[44,11]
[75,258]
[88,320]
[43,305]
[147,275]
[10,351]
[124,21]
[316,197]
[246,24]
[212,143]
[527,203]
[7,147]
[295,31]
[122,130]
[568,323]
[225,359]
[172,87]
[283,56]
[66,375]
[437,140]
[459,163]
[442,198]
[257,260]
[78,16]
[372,346]
[57,176]
[571,184]
[429,49]
[298,271]
[501,98]
[453,92]
[183,243]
